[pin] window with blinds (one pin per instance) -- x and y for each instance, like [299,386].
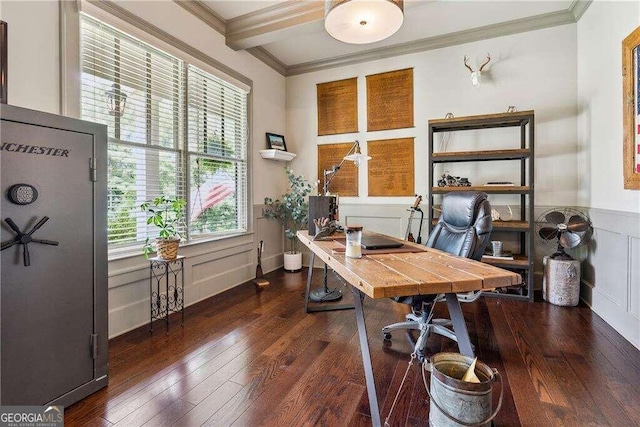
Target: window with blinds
[174,130]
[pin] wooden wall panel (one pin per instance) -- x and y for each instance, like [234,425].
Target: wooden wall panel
[390,100]
[338,107]
[391,169]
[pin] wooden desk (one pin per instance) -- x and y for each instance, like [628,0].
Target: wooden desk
[426,271]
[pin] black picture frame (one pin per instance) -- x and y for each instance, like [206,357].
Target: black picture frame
[276,142]
[3,62]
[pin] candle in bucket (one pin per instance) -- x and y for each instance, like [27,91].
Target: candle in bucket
[354,240]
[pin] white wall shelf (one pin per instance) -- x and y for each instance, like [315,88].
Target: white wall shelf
[273,154]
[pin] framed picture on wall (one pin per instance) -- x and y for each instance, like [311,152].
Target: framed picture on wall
[3,62]
[276,142]
[631,109]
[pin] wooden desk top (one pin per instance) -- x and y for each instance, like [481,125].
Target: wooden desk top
[427,271]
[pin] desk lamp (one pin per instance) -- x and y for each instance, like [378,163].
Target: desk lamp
[325,294]
[353,155]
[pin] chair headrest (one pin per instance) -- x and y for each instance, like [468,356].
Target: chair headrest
[459,207]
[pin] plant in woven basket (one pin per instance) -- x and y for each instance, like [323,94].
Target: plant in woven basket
[168,216]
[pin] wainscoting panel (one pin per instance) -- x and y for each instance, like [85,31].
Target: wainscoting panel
[272,234]
[610,274]
[386,219]
[634,279]
[609,259]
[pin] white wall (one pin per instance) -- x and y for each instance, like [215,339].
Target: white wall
[600,34]
[34,70]
[533,71]
[33,54]
[611,271]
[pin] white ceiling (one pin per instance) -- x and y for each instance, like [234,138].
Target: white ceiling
[290,36]
[229,9]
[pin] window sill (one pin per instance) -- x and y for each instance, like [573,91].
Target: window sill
[193,246]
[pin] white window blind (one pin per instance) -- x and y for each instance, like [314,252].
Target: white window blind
[182,133]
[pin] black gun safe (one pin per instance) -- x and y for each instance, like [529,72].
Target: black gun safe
[53,276]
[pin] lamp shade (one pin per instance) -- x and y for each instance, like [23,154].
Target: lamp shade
[357,158]
[362,21]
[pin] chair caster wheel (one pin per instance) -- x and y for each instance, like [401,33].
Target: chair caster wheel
[386,336]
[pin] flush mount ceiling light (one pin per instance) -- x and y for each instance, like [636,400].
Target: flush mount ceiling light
[362,21]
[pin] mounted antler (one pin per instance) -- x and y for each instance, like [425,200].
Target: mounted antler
[467,65]
[486,62]
[475,75]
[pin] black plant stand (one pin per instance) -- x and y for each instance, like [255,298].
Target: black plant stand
[172,300]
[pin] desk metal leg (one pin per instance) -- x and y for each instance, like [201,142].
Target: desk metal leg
[459,325]
[309,276]
[358,296]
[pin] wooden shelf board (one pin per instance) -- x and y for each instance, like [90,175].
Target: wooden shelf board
[519,262]
[484,155]
[511,225]
[489,189]
[481,121]
[503,225]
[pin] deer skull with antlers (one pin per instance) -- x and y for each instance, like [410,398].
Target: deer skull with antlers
[475,75]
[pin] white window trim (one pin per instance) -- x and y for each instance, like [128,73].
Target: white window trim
[121,19]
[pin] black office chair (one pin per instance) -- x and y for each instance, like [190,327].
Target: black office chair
[463,229]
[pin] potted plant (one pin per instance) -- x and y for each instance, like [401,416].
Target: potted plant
[291,212]
[168,215]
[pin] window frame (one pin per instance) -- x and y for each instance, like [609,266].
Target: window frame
[124,21]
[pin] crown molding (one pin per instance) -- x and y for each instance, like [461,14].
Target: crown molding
[203,12]
[516,26]
[579,7]
[263,55]
[268,25]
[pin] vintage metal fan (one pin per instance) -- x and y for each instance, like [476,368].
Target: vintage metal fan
[564,228]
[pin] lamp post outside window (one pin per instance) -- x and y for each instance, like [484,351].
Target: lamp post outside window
[116,100]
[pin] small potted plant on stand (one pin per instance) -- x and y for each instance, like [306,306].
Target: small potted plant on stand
[291,212]
[168,215]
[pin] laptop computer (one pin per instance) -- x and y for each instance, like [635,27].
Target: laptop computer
[379,242]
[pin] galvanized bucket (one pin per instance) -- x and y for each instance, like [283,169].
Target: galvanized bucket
[455,402]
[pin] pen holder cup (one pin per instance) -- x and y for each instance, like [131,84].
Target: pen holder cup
[496,247]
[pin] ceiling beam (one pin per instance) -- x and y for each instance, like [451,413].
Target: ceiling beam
[263,55]
[272,23]
[579,7]
[203,12]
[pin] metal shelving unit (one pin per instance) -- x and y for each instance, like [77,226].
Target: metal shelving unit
[524,226]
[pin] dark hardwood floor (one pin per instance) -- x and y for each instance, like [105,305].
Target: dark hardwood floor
[245,358]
